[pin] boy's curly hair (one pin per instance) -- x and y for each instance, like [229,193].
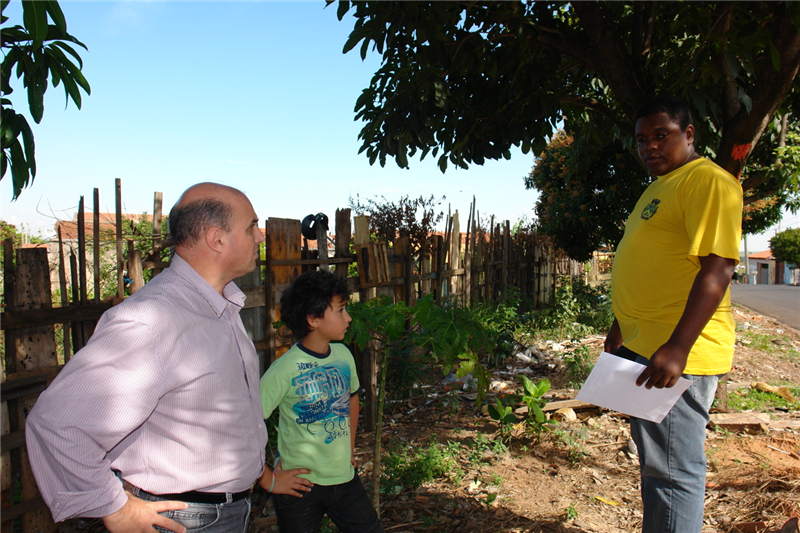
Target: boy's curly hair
[310,294]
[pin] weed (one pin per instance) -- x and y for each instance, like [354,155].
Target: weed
[504,414]
[490,498]
[571,439]
[496,480]
[326,526]
[756,400]
[579,365]
[577,310]
[501,320]
[571,512]
[533,397]
[452,401]
[410,468]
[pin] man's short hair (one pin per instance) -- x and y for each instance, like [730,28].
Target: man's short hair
[310,294]
[677,110]
[189,222]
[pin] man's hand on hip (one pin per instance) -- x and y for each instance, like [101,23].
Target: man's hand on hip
[138,516]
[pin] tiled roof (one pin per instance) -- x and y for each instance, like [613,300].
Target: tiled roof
[766,254]
[69,228]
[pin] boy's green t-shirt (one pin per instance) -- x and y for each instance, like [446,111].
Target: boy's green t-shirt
[312,392]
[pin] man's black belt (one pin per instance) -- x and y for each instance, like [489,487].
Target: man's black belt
[194,496]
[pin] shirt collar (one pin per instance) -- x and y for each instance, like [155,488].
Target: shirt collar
[218,302]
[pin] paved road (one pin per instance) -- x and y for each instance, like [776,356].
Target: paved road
[781,302]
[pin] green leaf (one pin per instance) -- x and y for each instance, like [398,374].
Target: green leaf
[56,14]
[538,413]
[59,57]
[745,99]
[28,143]
[70,87]
[341,10]
[776,57]
[34,16]
[3,164]
[70,50]
[36,88]
[9,128]
[20,174]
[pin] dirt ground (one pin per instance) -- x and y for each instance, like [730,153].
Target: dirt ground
[753,479]
[542,485]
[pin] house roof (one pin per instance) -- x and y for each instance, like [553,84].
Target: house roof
[766,254]
[69,228]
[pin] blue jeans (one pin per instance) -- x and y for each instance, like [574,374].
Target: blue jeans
[206,517]
[347,505]
[672,460]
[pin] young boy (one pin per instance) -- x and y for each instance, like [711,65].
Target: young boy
[314,385]
[687,223]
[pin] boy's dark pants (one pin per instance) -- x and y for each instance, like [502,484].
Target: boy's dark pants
[347,505]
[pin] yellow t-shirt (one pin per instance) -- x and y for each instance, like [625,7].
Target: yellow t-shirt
[693,211]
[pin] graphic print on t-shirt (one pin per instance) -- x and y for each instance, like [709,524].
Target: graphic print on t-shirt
[650,210]
[324,392]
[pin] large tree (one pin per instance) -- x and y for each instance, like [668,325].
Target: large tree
[35,51]
[588,187]
[466,81]
[785,246]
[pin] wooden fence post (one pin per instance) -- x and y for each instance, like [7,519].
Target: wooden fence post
[342,246]
[96,243]
[35,350]
[120,258]
[158,203]
[284,245]
[10,459]
[369,356]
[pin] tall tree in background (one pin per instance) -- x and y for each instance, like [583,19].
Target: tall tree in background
[785,246]
[38,52]
[466,81]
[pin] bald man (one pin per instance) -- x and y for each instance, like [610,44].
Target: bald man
[157,421]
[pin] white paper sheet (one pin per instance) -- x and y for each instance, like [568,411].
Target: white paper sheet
[612,384]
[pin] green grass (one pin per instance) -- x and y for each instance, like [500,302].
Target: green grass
[764,342]
[755,400]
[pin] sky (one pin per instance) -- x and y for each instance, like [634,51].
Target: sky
[255,95]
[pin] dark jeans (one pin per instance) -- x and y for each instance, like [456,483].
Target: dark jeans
[347,505]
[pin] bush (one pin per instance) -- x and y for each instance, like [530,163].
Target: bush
[577,310]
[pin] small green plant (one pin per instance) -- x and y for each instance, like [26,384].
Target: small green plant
[533,397]
[326,526]
[482,450]
[571,512]
[504,414]
[405,467]
[490,498]
[496,480]
[579,365]
[571,439]
[576,310]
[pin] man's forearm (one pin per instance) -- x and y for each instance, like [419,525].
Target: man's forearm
[707,291]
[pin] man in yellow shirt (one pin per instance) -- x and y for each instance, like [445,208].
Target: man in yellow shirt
[672,308]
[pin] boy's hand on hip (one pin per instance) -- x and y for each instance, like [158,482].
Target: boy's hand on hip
[288,482]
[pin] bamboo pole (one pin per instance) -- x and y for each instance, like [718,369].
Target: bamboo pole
[120,257]
[96,242]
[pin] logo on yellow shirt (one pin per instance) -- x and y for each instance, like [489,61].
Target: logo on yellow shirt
[650,211]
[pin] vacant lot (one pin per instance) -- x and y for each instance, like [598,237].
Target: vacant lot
[582,477]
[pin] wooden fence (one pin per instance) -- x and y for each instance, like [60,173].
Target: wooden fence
[466,266]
